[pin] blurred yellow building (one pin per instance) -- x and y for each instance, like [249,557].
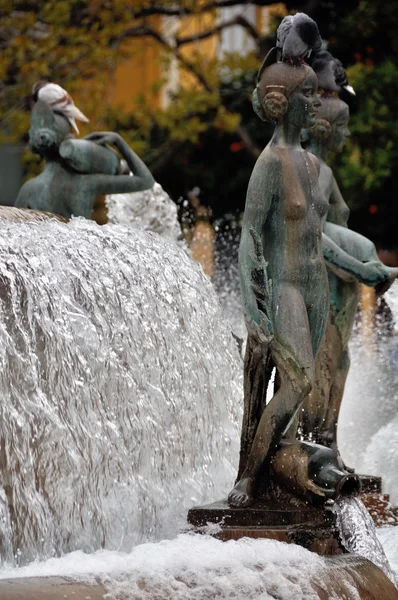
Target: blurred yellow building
[147,73]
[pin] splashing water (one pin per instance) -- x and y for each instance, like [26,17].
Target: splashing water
[151,210]
[193,567]
[358,532]
[121,389]
[369,415]
[121,394]
[226,276]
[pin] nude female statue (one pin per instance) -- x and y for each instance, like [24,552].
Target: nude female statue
[321,410]
[282,270]
[282,220]
[62,187]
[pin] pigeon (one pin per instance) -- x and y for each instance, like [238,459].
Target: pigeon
[59,100]
[330,73]
[296,38]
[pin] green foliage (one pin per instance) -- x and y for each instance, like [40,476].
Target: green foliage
[367,170]
[371,156]
[73,42]
[208,134]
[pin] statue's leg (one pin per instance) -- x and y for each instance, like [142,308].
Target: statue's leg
[329,431]
[257,372]
[315,408]
[296,370]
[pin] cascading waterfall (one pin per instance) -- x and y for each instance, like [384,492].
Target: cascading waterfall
[121,389]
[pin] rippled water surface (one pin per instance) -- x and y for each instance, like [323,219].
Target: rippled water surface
[120,387]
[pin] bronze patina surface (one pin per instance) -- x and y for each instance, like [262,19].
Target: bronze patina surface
[77,171]
[321,410]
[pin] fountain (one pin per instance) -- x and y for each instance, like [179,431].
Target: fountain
[121,385]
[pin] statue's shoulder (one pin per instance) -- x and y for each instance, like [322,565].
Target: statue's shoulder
[315,161]
[270,158]
[267,174]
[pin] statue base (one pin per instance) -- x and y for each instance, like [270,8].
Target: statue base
[285,518]
[377,503]
[312,528]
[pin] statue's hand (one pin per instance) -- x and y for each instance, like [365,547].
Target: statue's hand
[374,272]
[104,137]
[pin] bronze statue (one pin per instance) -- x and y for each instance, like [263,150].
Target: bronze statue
[282,269]
[283,275]
[77,171]
[321,410]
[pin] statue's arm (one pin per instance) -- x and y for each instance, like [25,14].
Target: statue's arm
[369,273]
[120,184]
[258,203]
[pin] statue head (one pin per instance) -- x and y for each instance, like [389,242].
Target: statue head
[47,130]
[287,93]
[331,126]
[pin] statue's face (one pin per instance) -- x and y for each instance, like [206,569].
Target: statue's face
[47,130]
[340,131]
[304,103]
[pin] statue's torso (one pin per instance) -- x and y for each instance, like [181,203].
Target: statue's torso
[292,231]
[58,190]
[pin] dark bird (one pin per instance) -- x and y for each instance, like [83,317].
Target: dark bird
[297,37]
[59,100]
[330,73]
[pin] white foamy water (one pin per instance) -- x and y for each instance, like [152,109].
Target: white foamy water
[193,567]
[150,210]
[121,389]
[121,403]
[199,567]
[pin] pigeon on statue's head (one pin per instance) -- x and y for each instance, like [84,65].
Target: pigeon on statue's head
[330,72]
[296,38]
[59,100]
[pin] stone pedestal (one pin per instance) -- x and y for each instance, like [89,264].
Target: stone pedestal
[377,503]
[288,519]
[312,528]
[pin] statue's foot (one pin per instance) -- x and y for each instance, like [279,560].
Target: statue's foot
[241,495]
[383,286]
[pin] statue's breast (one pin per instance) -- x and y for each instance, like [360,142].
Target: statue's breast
[295,200]
[293,188]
